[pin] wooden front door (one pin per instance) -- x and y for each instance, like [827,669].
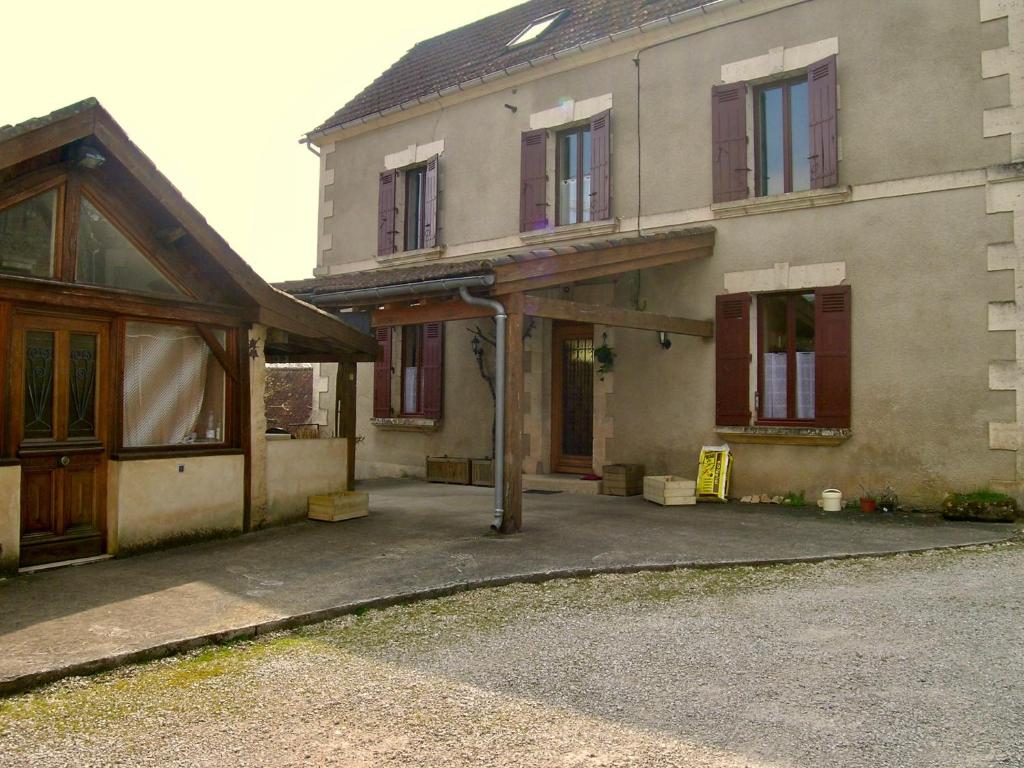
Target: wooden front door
[59,413]
[572,398]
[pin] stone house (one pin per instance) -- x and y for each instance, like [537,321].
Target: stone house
[795,224]
[135,343]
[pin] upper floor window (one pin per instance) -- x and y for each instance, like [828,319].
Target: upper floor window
[574,176]
[410,211]
[795,143]
[581,172]
[27,236]
[782,144]
[415,186]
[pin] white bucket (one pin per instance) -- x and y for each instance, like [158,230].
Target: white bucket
[831,500]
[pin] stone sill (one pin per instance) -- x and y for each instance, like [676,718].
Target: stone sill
[790,201]
[407,424]
[412,257]
[570,232]
[785,435]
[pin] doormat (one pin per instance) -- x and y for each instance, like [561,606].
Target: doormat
[545,493]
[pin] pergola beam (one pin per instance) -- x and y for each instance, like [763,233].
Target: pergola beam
[597,314]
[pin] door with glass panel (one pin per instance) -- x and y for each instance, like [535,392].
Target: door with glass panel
[58,427]
[572,398]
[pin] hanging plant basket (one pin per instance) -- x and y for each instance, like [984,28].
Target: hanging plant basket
[605,356]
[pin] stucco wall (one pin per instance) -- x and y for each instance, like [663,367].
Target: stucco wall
[10,518]
[465,426]
[911,100]
[298,469]
[153,502]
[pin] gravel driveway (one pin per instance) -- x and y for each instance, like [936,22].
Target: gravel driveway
[903,661]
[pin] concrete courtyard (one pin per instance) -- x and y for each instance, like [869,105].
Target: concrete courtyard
[419,540]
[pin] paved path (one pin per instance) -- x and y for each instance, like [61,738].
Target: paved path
[418,538]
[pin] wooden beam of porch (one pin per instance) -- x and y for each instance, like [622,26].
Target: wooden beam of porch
[429,312]
[559,270]
[558,309]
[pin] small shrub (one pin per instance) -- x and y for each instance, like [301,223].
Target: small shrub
[982,505]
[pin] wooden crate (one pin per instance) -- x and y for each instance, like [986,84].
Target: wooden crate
[343,505]
[441,469]
[669,490]
[622,479]
[483,472]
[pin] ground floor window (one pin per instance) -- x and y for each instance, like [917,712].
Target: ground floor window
[408,376]
[174,387]
[802,358]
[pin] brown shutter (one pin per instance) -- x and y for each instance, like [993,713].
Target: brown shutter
[832,356]
[822,103]
[433,370]
[732,359]
[382,375]
[430,204]
[600,166]
[729,142]
[533,195]
[387,210]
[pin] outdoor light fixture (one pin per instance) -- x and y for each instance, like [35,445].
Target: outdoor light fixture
[88,157]
[664,340]
[477,350]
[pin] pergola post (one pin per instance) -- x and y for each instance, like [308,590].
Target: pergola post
[512,520]
[346,397]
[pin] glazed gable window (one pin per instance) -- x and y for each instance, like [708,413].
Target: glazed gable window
[802,354]
[27,236]
[408,376]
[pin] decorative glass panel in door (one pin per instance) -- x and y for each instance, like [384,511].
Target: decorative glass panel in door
[60,436]
[106,257]
[572,393]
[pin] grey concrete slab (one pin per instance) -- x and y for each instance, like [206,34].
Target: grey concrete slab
[419,539]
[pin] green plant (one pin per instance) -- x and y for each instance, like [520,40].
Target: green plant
[605,355]
[866,494]
[888,500]
[794,499]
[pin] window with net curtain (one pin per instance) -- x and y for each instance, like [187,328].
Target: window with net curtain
[174,388]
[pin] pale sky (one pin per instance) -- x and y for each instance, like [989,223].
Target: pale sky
[218,92]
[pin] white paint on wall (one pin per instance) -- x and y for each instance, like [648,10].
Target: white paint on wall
[10,518]
[784,277]
[414,153]
[778,61]
[154,501]
[570,111]
[298,469]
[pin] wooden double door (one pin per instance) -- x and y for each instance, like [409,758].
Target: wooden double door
[59,400]
[572,398]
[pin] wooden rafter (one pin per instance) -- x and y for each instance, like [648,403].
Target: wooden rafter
[597,314]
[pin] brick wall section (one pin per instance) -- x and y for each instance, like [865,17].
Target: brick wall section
[289,396]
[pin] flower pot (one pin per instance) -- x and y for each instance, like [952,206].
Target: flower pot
[867,505]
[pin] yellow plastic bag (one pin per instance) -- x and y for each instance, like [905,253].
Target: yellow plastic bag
[714,473]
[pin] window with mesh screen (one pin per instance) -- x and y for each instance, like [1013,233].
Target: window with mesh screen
[174,388]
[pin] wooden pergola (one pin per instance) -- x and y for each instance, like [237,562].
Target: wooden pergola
[514,278]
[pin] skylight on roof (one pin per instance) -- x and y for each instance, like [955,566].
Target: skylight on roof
[535,29]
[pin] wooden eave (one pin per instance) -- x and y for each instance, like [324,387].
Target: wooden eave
[268,305]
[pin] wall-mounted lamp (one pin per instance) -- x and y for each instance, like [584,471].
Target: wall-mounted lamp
[512,108]
[664,340]
[88,157]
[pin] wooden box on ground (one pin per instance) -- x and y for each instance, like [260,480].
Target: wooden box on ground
[483,472]
[622,479]
[444,470]
[343,505]
[669,490]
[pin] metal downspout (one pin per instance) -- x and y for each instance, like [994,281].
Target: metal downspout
[500,316]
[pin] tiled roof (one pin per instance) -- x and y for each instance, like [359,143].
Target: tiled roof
[377,278]
[8,132]
[478,49]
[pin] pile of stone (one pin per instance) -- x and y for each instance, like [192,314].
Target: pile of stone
[763,498]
